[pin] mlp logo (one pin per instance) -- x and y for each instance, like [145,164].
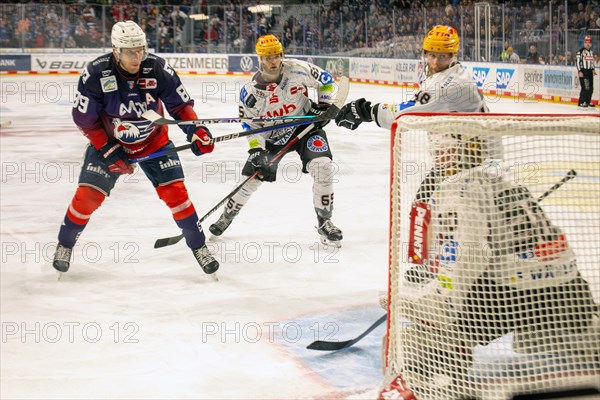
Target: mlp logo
[503,77]
[480,75]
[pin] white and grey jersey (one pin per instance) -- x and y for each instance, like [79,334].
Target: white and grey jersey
[584,59]
[451,90]
[289,95]
[480,223]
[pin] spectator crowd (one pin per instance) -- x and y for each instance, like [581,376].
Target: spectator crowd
[533,31]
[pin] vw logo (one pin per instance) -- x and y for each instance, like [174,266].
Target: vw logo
[246,63]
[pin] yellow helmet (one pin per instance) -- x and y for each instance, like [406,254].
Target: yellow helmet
[441,39]
[268,45]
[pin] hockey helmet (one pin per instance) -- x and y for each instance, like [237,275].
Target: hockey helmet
[587,39]
[441,39]
[128,35]
[268,45]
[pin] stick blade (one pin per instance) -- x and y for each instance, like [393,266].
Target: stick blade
[164,242]
[323,345]
[156,118]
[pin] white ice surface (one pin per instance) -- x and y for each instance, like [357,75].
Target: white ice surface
[129,321]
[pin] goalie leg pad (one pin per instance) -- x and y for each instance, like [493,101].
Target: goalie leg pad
[437,380]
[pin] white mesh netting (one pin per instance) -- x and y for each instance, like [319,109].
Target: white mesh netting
[494,254]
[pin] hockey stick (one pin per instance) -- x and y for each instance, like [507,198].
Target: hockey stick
[175,239]
[326,116]
[324,345]
[570,175]
[333,110]
[158,119]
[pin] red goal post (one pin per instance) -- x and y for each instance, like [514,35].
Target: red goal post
[507,153]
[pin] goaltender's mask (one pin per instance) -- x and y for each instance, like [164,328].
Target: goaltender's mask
[452,153]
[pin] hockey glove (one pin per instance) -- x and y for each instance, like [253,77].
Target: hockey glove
[115,157]
[199,137]
[261,163]
[318,109]
[353,114]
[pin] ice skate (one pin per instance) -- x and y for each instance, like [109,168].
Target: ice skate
[62,258]
[221,225]
[331,235]
[206,260]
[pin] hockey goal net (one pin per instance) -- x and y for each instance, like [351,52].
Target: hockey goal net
[494,268]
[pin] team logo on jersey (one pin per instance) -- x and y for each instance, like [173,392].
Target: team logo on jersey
[130,132]
[317,144]
[130,84]
[147,83]
[283,135]
[109,84]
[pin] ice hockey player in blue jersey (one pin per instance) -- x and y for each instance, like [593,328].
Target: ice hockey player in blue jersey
[113,92]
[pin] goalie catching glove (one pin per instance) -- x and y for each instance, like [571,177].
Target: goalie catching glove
[261,163]
[354,113]
[115,157]
[199,137]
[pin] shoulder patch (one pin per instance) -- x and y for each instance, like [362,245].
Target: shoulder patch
[109,84]
[248,99]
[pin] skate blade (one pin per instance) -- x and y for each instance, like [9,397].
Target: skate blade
[330,243]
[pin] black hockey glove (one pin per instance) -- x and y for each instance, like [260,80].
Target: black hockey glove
[199,137]
[261,163]
[354,113]
[318,109]
[115,158]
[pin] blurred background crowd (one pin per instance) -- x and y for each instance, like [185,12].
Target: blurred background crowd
[535,31]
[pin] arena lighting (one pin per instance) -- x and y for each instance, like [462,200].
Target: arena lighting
[260,8]
[199,17]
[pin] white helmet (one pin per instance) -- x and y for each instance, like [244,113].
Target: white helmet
[128,35]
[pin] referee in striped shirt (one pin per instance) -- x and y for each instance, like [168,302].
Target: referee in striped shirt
[584,60]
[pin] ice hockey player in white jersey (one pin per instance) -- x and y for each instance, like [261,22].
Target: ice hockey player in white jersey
[447,86]
[281,88]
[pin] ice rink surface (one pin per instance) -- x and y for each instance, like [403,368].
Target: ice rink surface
[130,321]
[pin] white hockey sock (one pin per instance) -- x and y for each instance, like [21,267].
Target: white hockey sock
[322,171]
[237,201]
